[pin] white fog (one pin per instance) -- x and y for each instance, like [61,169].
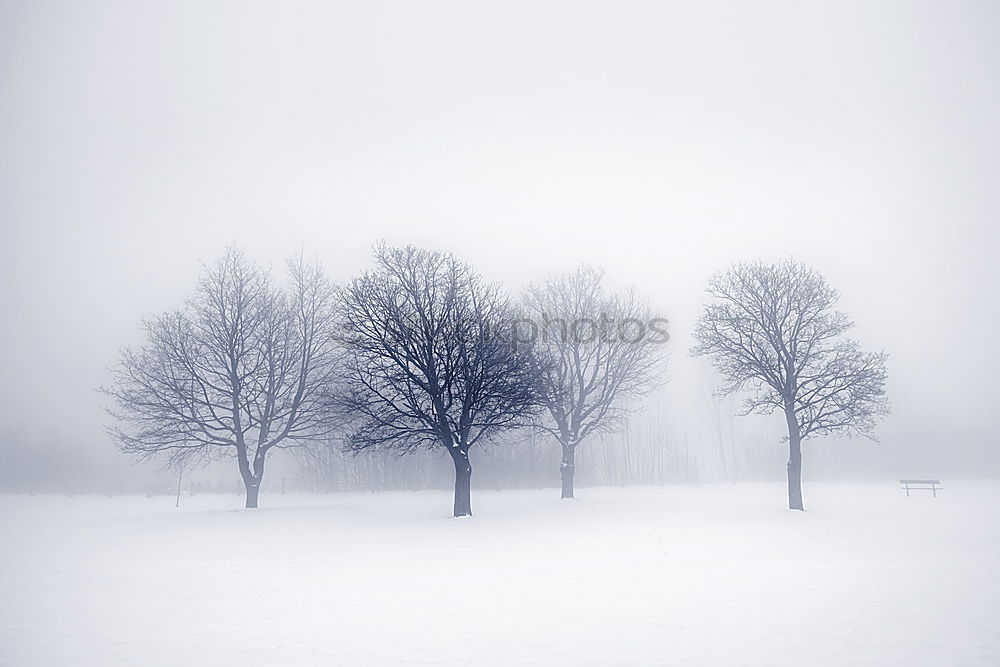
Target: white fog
[437,173]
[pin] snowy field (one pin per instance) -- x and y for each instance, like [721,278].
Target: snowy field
[710,575]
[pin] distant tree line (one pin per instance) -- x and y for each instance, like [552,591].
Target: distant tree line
[378,382]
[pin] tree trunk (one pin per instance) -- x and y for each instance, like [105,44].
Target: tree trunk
[463,481]
[252,480]
[253,490]
[794,463]
[567,469]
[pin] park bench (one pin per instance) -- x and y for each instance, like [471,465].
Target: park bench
[932,485]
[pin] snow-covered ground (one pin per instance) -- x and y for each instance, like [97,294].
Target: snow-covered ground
[710,575]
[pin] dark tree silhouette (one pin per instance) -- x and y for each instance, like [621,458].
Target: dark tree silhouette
[596,352]
[773,331]
[240,369]
[430,360]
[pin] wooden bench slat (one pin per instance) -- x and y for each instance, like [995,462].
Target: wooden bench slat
[932,485]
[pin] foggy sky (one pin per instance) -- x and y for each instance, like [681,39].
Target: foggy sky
[660,141]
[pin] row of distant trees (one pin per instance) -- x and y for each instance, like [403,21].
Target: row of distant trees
[421,352]
[651,449]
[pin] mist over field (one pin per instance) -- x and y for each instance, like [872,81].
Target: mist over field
[661,143]
[384,190]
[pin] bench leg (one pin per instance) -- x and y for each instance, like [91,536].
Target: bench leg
[907,490]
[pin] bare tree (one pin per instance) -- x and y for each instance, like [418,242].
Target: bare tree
[596,352]
[240,369]
[431,362]
[773,331]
